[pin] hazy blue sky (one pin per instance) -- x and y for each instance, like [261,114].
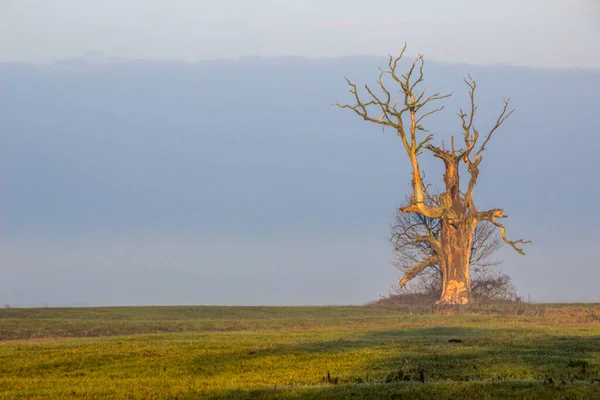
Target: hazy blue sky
[517,32]
[237,182]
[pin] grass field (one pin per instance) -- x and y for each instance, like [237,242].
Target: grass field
[509,352]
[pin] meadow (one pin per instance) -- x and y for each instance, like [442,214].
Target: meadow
[522,351]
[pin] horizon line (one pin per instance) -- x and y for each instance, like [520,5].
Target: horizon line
[84,60]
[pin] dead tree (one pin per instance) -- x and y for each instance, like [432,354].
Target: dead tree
[455,209]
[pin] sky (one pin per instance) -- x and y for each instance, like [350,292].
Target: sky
[150,183]
[548,33]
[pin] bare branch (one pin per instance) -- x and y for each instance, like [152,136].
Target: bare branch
[467,119]
[491,216]
[418,104]
[427,114]
[472,86]
[417,269]
[424,142]
[420,79]
[361,108]
[503,116]
[431,241]
[486,242]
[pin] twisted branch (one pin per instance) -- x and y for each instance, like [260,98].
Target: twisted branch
[491,216]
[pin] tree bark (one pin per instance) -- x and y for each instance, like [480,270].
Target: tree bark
[456,243]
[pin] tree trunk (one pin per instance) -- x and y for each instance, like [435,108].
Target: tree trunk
[456,249]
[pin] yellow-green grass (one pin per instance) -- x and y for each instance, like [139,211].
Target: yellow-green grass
[525,351]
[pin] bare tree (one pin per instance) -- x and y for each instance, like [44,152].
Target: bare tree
[454,208]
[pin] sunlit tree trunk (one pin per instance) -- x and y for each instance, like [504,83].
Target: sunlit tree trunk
[455,267]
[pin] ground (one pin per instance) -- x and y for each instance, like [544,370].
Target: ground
[495,352]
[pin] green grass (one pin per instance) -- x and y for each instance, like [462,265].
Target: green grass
[524,352]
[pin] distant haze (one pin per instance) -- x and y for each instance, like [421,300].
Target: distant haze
[237,182]
[543,33]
